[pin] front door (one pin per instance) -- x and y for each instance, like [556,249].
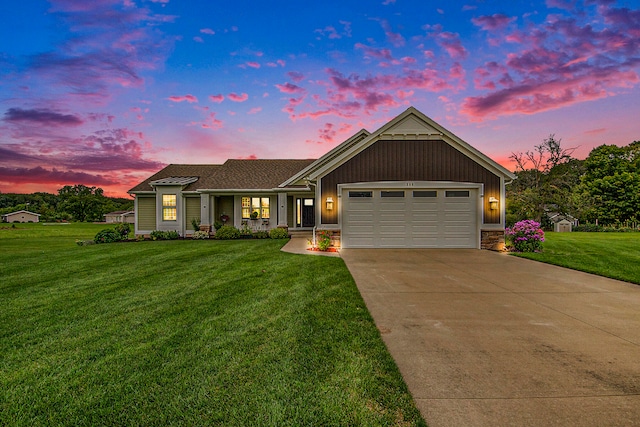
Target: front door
[308,213]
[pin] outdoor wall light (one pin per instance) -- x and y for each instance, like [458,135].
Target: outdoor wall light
[329,203]
[493,203]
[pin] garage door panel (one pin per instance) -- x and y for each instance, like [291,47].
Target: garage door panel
[429,220]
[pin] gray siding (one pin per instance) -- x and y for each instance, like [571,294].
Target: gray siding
[146,213]
[192,210]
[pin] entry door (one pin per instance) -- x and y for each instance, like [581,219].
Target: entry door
[308,213]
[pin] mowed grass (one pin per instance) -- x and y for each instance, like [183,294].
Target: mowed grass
[614,255]
[231,333]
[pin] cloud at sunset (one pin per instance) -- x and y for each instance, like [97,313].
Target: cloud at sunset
[43,116]
[188,98]
[237,97]
[106,93]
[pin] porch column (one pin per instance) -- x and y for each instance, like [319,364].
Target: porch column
[282,209]
[205,209]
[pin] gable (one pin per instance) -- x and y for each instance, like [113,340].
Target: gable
[410,125]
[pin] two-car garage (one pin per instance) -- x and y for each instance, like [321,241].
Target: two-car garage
[410,217]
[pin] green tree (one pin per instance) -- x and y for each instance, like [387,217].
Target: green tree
[546,177]
[612,184]
[82,202]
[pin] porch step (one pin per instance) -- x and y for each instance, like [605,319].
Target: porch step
[301,233]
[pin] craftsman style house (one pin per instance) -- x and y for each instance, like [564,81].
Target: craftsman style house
[411,184]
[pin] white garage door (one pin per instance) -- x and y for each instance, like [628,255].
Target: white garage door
[409,218]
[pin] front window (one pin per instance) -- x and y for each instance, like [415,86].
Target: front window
[169,203]
[258,206]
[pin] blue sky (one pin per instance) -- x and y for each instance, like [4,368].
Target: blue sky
[107,92]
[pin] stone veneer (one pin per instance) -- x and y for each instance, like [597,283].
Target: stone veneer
[492,240]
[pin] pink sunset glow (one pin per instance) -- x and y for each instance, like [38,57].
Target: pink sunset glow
[106,93]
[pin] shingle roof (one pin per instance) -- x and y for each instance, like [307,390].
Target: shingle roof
[233,174]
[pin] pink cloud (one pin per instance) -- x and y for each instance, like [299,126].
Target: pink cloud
[374,53]
[41,117]
[451,43]
[494,22]
[212,122]
[254,110]
[189,98]
[216,98]
[253,64]
[296,76]
[395,39]
[595,131]
[289,88]
[562,63]
[238,98]
[198,39]
[207,31]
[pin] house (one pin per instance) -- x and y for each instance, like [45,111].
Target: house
[120,217]
[411,183]
[21,216]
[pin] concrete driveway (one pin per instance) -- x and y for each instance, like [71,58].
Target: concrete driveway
[483,338]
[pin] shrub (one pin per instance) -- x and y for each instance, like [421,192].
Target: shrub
[261,234]
[85,242]
[164,235]
[526,236]
[279,233]
[324,240]
[217,225]
[195,224]
[123,230]
[227,232]
[199,235]
[107,236]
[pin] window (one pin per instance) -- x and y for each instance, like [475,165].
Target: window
[427,193]
[169,203]
[392,193]
[356,194]
[456,193]
[260,205]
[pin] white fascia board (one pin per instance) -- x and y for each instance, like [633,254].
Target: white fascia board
[235,190]
[309,170]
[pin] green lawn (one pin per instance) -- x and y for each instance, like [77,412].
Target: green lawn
[186,333]
[615,255]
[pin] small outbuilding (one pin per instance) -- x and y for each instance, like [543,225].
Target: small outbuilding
[563,226]
[21,216]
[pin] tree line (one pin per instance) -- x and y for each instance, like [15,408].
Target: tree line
[71,203]
[604,188]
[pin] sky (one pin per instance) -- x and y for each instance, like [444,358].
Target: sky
[105,93]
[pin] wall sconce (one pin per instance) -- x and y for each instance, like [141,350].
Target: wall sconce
[329,203]
[493,203]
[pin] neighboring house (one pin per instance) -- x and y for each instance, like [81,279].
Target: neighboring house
[21,216]
[411,183]
[120,216]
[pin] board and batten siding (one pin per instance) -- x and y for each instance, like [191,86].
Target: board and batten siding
[411,160]
[146,213]
[192,210]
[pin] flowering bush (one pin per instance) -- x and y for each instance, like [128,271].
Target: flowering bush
[198,235]
[324,240]
[526,236]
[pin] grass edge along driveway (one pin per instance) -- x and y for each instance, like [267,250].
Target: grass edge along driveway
[613,255]
[189,333]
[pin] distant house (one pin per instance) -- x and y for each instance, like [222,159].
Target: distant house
[120,216]
[21,216]
[409,184]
